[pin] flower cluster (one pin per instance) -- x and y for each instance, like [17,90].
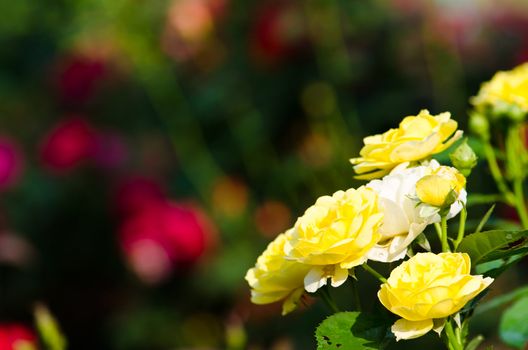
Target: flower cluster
[381,221]
[506,94]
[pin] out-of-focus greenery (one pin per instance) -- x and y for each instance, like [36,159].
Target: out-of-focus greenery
[249,109]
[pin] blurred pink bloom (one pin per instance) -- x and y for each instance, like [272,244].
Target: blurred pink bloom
[192,19]
[16,336]
[163,236]
[111,150]
[189,27]
[78,78]
[279,31]
[138,193]
[14,249]
[68,144]
[149,260]
[10,163]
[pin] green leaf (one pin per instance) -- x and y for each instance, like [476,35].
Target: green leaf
[485,219]
[513,328]
[474,343]
[353,330]
[489,266]
[496,267]
[492,245]
[483,198]
[49,329]
[502,299]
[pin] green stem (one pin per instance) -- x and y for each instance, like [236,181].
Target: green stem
[443,225]
[438,230]
[461,227]
[519,201]
[328,300]
[458,335]
[497,174]
[479,198]
[374,273]
[454,339]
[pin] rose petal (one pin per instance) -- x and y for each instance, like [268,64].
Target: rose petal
[404,329]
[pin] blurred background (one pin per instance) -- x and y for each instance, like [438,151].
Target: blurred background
[149,150]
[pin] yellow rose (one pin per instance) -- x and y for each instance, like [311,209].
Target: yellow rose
[334,235]
[426,289]
[441,188]
[506,90]
[274,278]
[417,138]
[403,219]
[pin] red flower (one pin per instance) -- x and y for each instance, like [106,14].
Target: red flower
[279,31]
[163,236]
[111,150]
[15,337]
[10,163]
[71,142]
[78,78]
[138,193]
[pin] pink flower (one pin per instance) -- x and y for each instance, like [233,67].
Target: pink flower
[15,249]
[10,163]
[138,193]
[279,31]
[163,236]
[111,151]
[68,144]
[16,336]
[78,78]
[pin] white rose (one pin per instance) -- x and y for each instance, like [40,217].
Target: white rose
[403,220]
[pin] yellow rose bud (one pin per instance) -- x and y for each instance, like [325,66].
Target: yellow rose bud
[464,158]
[335,234]
[417,138]
[441,188]
[274,278]
[426,289]
[506,94]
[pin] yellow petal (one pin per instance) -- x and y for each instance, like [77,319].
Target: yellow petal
[404,329]
[438,325]
[292,301]
[340,276]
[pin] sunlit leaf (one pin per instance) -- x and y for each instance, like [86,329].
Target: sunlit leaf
[492,245]
[353,330]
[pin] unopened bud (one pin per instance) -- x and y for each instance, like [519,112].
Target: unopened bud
[479,125]
[464,158]
[441,188]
